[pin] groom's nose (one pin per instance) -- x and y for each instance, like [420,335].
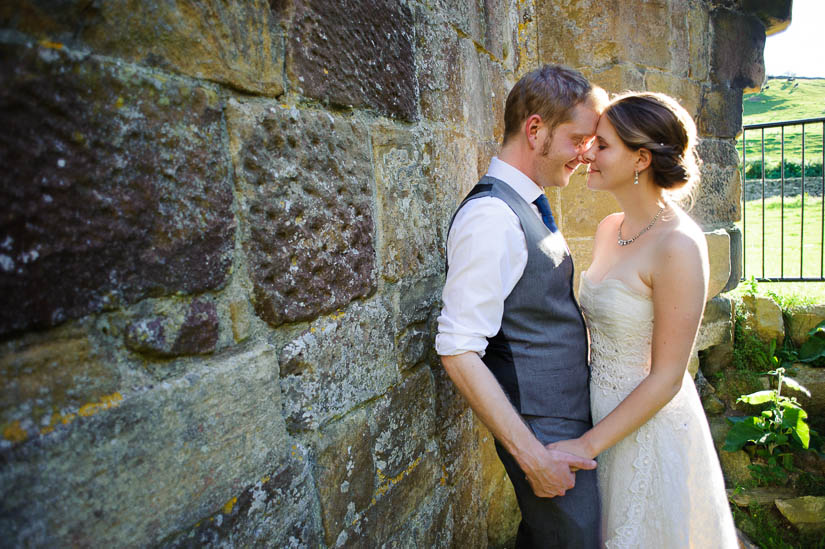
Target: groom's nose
[587,156]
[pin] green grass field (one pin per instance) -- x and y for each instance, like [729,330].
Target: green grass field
[796,240]
[783,99]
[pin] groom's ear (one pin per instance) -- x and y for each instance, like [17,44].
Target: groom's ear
[643,160]
[531,130]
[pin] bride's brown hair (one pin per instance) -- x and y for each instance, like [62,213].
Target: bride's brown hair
[658,123]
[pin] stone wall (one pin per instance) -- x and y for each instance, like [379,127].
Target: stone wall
[221,253]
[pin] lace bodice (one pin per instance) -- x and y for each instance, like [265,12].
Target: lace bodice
[620,321]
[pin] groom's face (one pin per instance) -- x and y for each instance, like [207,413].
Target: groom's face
[559,155]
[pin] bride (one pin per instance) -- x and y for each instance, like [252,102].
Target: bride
[643,297]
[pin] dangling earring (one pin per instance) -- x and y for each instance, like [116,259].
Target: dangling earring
[636,179]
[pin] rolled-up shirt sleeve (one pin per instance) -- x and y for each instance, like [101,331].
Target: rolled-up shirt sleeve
[487,254]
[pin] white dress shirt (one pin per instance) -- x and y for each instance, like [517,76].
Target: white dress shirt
[486,253]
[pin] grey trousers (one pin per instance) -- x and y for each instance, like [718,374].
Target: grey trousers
[569,521]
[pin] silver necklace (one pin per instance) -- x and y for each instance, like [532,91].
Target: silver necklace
[623,242]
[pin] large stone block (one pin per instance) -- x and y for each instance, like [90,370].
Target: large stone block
[278,510]
[337,363]
[234,43]
[185,329]
[407,199]
[396,501]
[355,53]
[403,424]
[116,186]
[437,57]
[156,458]
[803,319]
[764,317]
[612,29]
[307,208]
[687,92]
[738,43]
[721,112]
[345,472]
[699,40]
[717,323]
[582,209]
[46,378]
[616,78]
[717,199]
[718,243]
[433,525]
[415,320]
[502,511]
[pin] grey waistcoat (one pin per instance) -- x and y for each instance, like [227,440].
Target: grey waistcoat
[539,355]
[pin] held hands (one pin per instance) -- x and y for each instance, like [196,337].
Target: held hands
[554,474]
[575,446]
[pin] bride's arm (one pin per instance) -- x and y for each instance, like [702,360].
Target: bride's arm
[679,282]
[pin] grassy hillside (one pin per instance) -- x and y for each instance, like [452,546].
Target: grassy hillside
[785,99]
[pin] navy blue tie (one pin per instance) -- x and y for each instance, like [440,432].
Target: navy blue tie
[544,209]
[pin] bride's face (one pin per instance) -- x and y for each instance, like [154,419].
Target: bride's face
[611,162]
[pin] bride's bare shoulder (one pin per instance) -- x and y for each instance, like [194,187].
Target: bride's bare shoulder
[684,242]
[609,224]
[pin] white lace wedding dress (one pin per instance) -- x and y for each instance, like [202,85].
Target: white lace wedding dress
[661,486]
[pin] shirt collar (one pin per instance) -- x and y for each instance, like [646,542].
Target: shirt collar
[515,178]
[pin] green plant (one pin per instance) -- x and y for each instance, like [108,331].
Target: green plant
[778,430]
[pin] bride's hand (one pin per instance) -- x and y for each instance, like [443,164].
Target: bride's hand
[573,446]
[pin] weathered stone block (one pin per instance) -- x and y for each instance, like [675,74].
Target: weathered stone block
[403,424]
[736,258]
[396,500]
[581,250]
[407,199]
[806,513]
[323,377]
[116,187]
[345,472]
[802,320]
[469,522]
[430,526]
[582,209]
[503,514]
[738,43]
[699,40]
[46,378]
[307,208]
[717,199]
[721,112]
[415,325]
[814,380]
[718,243]
[617,78]
[687,92]
[356,52]
[234,43]
[716,358]
[562,26]
[279,510]
[437,57]
[189,330]
[764,317]
[153,460]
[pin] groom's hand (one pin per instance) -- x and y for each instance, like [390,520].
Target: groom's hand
[551,474]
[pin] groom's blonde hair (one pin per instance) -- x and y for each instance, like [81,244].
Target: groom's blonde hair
[552,92]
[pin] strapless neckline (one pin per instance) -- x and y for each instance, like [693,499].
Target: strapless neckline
[615,282]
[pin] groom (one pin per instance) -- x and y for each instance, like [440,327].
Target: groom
[511,335]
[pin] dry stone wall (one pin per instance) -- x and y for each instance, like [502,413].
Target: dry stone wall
[222,228]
